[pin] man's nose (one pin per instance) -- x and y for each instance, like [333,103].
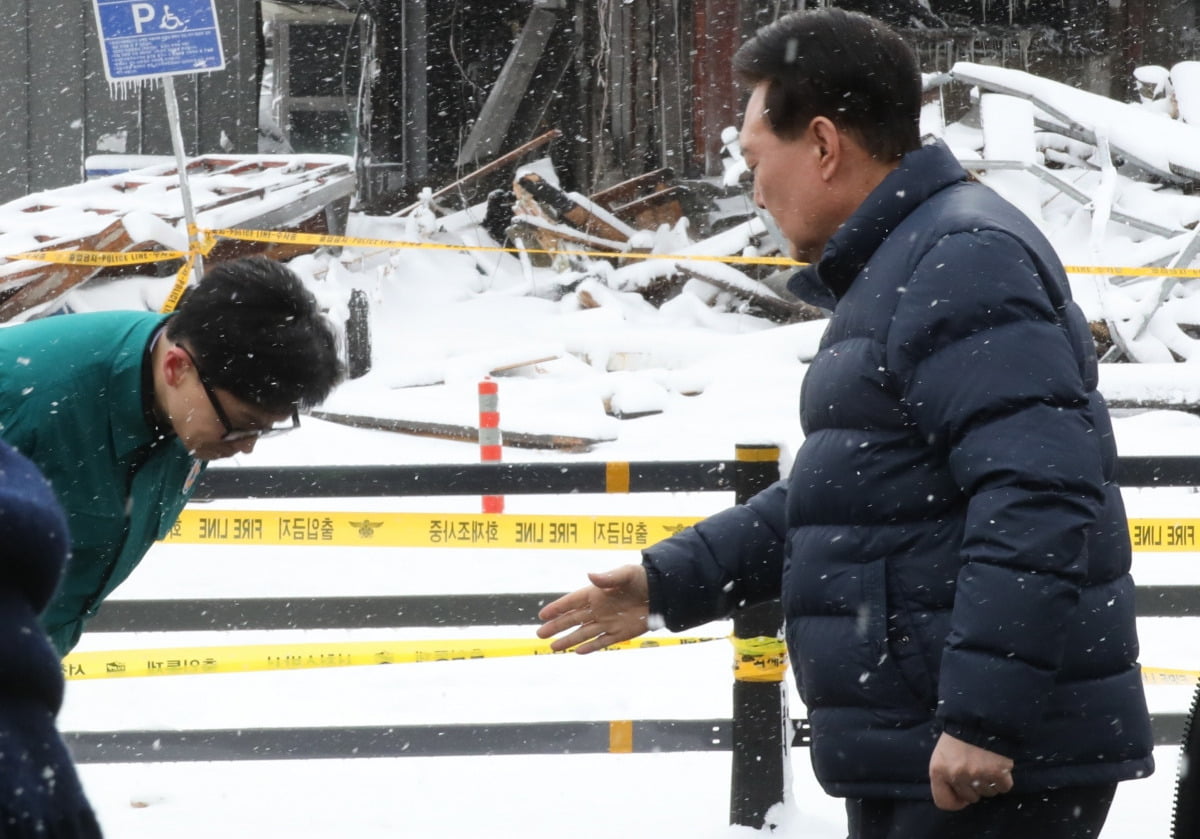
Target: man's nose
[246,445]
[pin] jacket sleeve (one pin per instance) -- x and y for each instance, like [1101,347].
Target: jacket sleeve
[992,380]
[727,561]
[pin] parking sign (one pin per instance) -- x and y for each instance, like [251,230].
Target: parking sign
[147,38]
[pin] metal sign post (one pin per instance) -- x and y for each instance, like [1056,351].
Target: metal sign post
[152,39]
[185,192]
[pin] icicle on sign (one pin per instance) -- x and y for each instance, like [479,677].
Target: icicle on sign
[145,39]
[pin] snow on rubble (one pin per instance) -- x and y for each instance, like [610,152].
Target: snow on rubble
[589,342]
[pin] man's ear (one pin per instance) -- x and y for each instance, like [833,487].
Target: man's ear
[827,144]
[175,364]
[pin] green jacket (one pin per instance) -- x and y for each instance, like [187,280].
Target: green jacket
[71,400]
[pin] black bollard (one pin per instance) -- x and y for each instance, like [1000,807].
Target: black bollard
[760,716]
[358,335]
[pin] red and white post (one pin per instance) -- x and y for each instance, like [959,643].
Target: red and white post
[489,436]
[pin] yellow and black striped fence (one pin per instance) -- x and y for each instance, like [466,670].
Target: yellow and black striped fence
[759,733]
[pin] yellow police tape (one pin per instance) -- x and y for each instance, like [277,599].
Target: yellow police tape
[759,659]
[1166,676]
[422,530]
[261,657]
[182,277]
[200,526]
[1164,535]
[105,258]
[206,238]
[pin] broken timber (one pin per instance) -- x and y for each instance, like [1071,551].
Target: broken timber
[645,201]
[773,306]
[461,433]
[536,196]
[504,160]
[42,282]
[259,192]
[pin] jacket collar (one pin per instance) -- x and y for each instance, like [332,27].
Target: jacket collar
[921,173]
[129,392]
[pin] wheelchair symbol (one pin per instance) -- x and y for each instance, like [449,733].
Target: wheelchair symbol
[169,20]
[144,14]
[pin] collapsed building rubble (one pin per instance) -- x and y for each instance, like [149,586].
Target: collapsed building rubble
[143,211]
[1072,160]
[1129,171]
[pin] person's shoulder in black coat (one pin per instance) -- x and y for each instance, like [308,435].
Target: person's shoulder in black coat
[40,792]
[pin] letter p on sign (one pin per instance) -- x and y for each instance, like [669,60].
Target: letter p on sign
[142,13]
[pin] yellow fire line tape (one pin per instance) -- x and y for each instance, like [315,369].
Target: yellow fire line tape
[261,657]
[1140,271]
[422,530]
[200,526]
[1164,535]
[1166,676]
[208,237]
[759,659]
[756,659]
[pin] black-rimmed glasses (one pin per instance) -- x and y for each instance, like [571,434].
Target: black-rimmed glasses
[234,434]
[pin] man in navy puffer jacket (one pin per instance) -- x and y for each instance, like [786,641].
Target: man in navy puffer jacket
[950,547]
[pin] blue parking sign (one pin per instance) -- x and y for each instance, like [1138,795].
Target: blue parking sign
[146,38]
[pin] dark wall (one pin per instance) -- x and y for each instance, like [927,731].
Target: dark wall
[1093,44]
[1159,31]
[59,108]
[468,45]
[437,60]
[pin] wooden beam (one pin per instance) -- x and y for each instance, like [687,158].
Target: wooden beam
[662,207]
[532,189]
[490,130]
[48,280]
[629,189]
[503,160]
[773,307]
[462,433]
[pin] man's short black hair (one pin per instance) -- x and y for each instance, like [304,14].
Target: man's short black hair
[842,65]
[258,333]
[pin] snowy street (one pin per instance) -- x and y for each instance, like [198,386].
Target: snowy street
[681,794]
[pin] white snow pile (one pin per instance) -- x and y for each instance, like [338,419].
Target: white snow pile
[1110,183]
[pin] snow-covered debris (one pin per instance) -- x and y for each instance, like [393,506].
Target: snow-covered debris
[1161,146]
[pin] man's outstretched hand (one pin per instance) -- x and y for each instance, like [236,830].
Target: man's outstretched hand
[614,608]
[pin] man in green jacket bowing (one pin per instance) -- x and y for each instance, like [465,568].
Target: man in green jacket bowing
[121,410]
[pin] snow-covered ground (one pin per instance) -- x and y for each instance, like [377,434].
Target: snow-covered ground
[592,796]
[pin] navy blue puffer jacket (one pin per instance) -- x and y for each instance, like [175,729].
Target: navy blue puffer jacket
[950,548]
[40,793]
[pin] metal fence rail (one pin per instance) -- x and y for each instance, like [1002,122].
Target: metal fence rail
[402,611]
[460,740]
[759,733]
[468,479]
